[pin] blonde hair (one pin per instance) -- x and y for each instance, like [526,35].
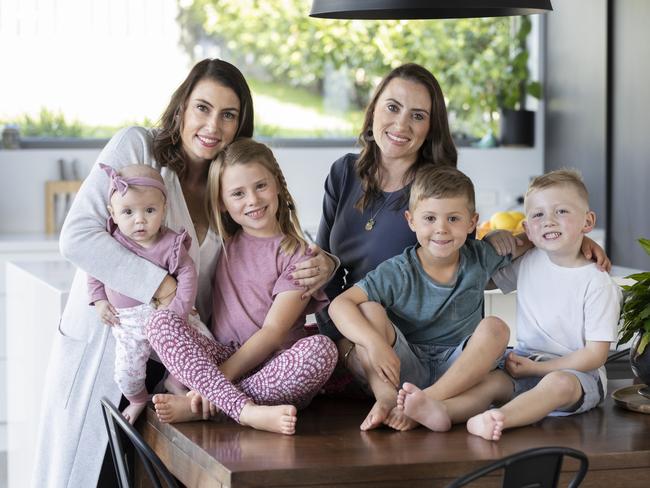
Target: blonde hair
[441,182]
[559,177]
[249,151]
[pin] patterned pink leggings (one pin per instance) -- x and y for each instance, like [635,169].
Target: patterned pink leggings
[293,377]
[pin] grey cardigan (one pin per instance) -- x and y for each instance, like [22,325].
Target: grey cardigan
[72,437]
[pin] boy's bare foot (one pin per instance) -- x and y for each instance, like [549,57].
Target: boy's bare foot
[377,415]
[423,409]
[488,425]
[133,411]
[279,418]
[174,408]
[398,420]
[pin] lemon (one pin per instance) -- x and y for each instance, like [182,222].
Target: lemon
[503,220]
[518,216]
[520,227]
[483,229]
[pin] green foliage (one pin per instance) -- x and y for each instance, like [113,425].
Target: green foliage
[48,123]
[515,83]
[635,315]
[51,123]
[470,57]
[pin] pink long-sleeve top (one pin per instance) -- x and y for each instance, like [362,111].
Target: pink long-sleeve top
[170,253]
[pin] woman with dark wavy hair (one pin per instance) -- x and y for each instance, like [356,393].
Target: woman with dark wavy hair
[209,110]
[405,127]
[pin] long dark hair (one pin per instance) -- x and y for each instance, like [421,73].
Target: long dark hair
[167,146]
[438,147]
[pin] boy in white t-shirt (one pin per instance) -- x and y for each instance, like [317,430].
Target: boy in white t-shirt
[567,314]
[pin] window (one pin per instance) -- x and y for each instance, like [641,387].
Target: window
[84,68]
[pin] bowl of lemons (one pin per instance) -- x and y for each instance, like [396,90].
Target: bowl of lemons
[512,221]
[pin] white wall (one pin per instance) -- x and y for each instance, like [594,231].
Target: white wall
[500,175]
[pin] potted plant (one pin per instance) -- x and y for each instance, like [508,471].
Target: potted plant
[635,318]
[517,123]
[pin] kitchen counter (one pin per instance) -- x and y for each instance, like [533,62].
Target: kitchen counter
[36,294]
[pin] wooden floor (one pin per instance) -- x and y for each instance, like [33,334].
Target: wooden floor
[330,450]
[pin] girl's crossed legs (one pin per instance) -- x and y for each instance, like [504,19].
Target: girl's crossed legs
[264,399]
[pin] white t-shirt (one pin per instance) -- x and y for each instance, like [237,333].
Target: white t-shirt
[558,308]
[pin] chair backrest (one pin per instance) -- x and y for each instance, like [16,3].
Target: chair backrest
[119,429]
[534,468]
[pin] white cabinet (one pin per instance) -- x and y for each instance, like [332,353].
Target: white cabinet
[505,307]
[13,247]
[37,293]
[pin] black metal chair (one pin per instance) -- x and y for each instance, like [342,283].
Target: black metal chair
[533,468]
[119,429]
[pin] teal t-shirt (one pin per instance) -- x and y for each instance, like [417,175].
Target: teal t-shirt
[428,312]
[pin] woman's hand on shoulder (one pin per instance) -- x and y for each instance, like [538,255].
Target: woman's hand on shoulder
[315,272]
[591,250]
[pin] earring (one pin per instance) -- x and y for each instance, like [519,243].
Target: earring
[369,136]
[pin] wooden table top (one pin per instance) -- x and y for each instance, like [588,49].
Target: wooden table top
[329,448]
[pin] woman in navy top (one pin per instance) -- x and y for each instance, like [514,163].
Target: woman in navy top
[363,224]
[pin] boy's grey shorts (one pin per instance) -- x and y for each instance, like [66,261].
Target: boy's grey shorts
[424,364]
[592,386]
[420,364]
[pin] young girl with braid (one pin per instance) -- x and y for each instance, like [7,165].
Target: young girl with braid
[264,365]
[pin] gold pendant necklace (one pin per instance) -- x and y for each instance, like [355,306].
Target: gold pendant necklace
[371,221]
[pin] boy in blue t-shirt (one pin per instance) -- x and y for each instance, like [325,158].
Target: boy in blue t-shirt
[418,316]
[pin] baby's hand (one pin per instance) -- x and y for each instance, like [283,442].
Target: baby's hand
[503,242]
[107,313]
[519,366]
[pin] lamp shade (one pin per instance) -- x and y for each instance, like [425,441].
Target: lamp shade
[426,9]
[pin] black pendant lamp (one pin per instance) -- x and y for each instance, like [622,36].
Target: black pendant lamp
[426,9]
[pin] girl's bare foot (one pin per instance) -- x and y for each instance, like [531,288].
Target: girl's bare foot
[488,425]
[133,411]
[174,408]
[423,409]
[279,418]
[398,420]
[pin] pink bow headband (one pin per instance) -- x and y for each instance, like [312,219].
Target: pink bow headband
[121,184]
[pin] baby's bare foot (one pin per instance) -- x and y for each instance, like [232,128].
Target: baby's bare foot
[423,409]
[279,418]
[398,420]
[174,408]
[133,411]
[488,425]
